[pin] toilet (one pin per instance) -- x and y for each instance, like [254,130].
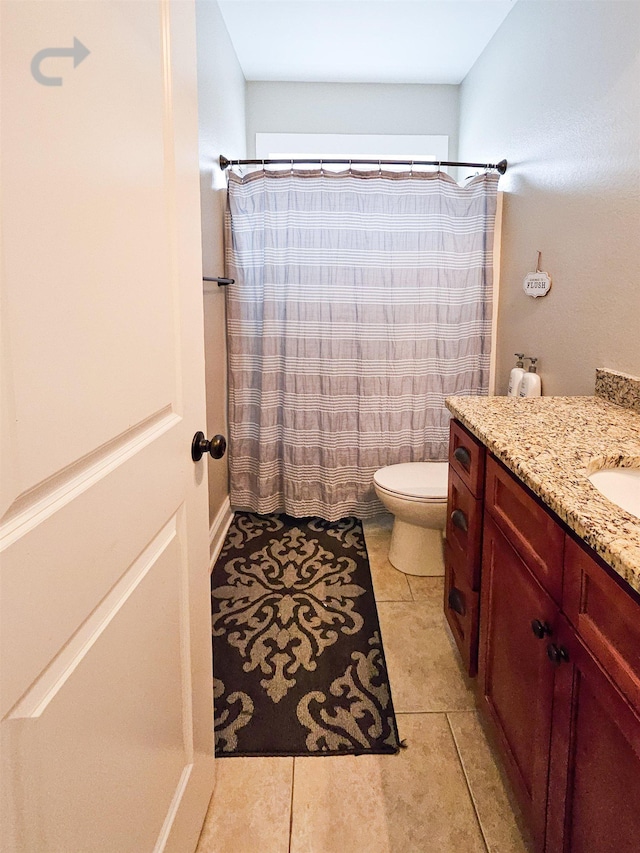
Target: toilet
[416,495]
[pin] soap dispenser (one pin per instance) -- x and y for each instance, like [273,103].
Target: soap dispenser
[515,377]
[531,385]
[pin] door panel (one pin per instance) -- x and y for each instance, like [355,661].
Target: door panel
[105,649]
[594,793]
[86,188]
[515,676]
[103,716]
[65,589]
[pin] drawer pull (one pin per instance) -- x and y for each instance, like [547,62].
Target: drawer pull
[463,456]
[557,654]
[456,601]
[540,629]
[459,520]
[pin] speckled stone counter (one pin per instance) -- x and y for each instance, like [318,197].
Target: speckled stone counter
[552,444]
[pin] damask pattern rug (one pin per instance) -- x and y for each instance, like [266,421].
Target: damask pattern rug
[298,662]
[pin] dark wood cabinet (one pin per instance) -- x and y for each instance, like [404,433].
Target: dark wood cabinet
[532,530]
[556,637]
[605,614]
[463,545]
[594,778]
[515,677]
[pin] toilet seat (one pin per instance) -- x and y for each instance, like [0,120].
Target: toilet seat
[417,481]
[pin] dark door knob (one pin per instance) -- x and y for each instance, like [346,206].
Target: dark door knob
[463,456]
[201,445]
[557,654]
[540,629]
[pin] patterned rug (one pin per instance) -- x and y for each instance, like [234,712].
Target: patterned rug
[298,662]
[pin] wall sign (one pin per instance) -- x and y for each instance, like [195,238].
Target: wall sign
[537,283]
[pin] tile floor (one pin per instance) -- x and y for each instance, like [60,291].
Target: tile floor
[444,794]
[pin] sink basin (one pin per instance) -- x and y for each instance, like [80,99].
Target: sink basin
[621,486]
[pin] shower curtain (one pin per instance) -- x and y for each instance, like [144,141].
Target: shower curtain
[361,300]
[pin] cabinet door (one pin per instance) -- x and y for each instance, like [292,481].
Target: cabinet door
[515,680]
[466,458]
[461,606]
[594,781]
[530,527]
[464,530]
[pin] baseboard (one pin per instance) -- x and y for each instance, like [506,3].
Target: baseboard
[218,531]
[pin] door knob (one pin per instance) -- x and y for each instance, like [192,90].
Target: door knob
[557,654]
[540,629]
[201,445]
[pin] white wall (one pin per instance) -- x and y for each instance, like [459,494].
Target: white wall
[221,109]
[557,92]
[351,108]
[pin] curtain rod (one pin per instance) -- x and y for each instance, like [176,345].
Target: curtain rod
[500,167]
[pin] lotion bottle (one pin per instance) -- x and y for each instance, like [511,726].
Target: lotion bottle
[531,385]
[516,375]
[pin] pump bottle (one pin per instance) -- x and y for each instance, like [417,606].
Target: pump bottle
[515,377]
[531,385]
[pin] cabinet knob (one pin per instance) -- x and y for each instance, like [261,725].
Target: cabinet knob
[540,629]
[459,520]
[557,654]
[456,601]
[463,456]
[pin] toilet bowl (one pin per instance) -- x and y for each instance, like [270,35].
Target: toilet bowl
[416,495]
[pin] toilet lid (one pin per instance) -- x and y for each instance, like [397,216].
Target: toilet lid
[426,480]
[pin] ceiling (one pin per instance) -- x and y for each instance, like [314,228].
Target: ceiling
[361,41]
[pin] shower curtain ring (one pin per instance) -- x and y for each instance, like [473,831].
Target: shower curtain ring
[379,168]
[292,167]
[411,170]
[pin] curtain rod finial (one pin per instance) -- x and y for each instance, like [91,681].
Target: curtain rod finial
[502,167]
[224,163]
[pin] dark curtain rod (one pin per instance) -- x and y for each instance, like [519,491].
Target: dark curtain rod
[500,167]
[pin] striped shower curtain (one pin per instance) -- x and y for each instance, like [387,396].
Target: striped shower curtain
[361,300]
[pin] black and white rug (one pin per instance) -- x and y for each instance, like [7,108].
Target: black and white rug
[298,662]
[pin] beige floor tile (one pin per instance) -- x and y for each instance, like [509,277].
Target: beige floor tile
[428,588]
[250,809]
[413,802]
[425,672]
[388,583]
[499,826]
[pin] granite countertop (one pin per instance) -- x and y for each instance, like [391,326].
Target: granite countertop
[552,444]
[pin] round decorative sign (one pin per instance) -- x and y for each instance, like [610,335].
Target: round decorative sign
[536,284]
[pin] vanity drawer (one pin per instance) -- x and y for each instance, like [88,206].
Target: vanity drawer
[461,609]
[466,458]
[531,529]
[605,615]
[464,530]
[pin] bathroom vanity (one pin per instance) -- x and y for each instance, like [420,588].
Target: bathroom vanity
[542,594]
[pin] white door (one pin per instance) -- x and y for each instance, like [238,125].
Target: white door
[105,679]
